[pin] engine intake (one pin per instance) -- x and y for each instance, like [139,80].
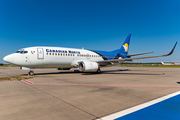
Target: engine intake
[88,66]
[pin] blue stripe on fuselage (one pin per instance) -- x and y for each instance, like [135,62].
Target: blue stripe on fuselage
[110,55]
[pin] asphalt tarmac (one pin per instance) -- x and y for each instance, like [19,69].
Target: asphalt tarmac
[68,95]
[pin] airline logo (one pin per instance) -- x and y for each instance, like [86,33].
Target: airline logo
[126,47]
[32,52]
[63,51]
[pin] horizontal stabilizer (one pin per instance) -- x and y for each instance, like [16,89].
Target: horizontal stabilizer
[139,54]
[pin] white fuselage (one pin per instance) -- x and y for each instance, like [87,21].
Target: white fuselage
[66,58]
[51,57]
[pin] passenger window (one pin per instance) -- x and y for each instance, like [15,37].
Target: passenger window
[52,53]
[46,53]
[49,53]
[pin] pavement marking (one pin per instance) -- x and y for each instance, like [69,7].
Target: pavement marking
[26,81]
[136,108]
[64,84]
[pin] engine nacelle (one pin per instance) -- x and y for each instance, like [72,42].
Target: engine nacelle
[87,66]
[25,68]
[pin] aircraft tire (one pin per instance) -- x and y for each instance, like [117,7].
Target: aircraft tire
[98,71]
[31,73]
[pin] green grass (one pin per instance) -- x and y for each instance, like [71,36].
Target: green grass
[165,66]
[8,66]
[14,78]
[149,65]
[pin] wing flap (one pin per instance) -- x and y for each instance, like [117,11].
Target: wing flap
[139,54]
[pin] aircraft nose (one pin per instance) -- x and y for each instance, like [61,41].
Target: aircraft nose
[9,58]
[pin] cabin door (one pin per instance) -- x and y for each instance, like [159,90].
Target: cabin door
[40,53]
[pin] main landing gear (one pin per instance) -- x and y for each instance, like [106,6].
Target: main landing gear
[98,71]
[31,73]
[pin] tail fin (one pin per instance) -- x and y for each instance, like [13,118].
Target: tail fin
[125,46]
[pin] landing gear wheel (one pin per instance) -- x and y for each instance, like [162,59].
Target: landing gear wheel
[31,73]
[98,71]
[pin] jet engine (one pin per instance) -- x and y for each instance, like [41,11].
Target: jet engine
[87,66]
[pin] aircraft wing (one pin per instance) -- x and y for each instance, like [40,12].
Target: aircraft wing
[139,54]
[130,59]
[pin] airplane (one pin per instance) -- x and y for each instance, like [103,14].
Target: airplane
[66,58]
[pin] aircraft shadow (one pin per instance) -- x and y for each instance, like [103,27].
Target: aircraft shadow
[114,72]
[54,73]
[93,73]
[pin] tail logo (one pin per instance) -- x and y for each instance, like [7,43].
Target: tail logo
[126,47]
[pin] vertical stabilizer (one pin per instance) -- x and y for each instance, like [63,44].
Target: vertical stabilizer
[125,46]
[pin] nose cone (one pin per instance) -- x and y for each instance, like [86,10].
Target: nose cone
[9,59]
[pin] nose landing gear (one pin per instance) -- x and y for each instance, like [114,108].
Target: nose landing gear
[31,73]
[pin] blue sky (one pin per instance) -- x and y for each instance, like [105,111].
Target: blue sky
[92,24]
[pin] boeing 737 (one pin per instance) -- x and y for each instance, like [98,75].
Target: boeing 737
[67,58]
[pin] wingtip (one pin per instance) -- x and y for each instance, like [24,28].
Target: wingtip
[172,49]
[175,45]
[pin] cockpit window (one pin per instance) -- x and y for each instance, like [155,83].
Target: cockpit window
[22,51]
[17,51]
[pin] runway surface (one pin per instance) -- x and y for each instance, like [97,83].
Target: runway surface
[65,95]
